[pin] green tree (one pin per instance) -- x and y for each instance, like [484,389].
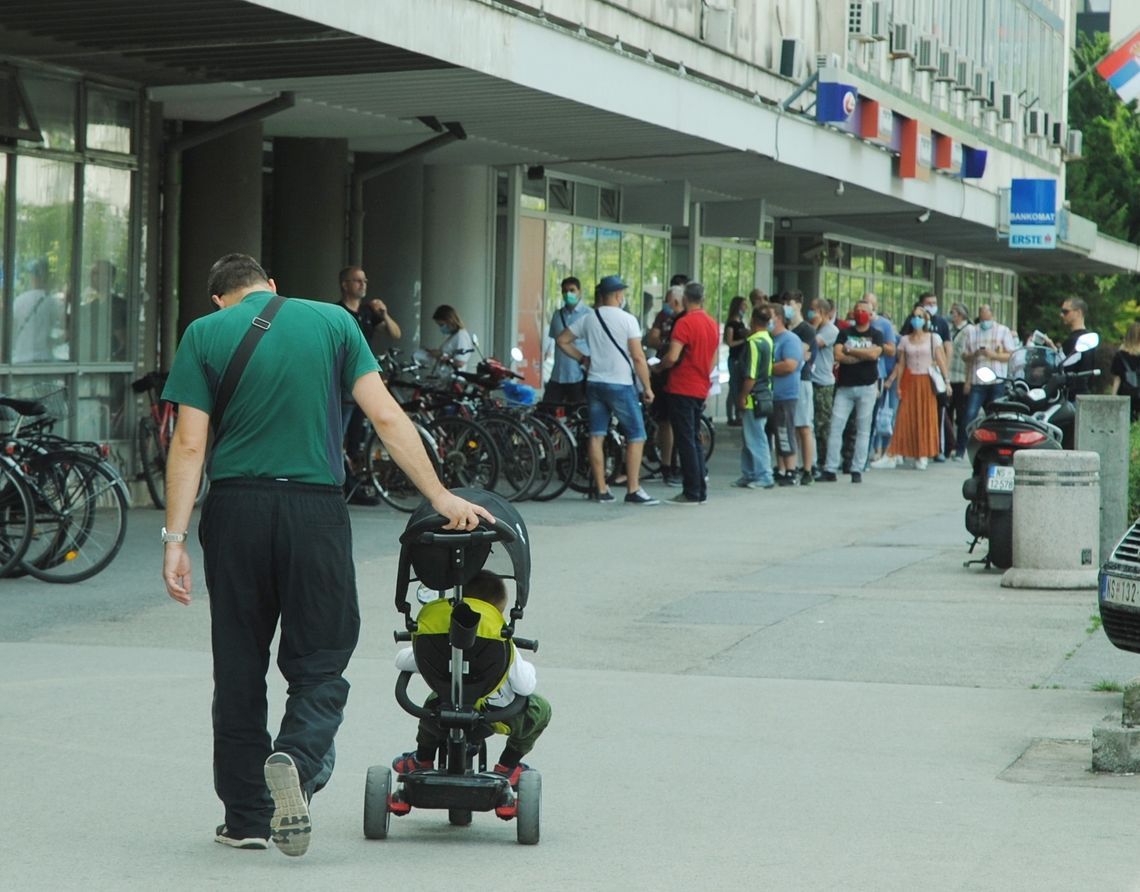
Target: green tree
[1105,188]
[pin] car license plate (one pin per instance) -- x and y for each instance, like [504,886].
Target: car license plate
[999,478]
[1119,591]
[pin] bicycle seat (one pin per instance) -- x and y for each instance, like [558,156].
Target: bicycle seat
[23,407]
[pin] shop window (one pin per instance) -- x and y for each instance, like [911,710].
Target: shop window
[631,274]
[45,206]
[585,265]
[110,122]
[609,204]
[654,261]
[55,108]
[609,253]
[102,329]
[560,196]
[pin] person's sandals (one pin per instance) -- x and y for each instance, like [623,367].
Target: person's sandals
[290,825]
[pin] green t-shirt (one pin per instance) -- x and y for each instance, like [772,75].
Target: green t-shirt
[283,421]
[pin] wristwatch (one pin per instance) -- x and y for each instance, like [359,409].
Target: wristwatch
[168,536]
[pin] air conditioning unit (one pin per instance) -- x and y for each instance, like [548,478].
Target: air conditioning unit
[1073,145]
[1035,122]
[1057,134]
[926,53]
[791,57]
[1007,109]
[993,94]
[866,20]
[902,41]
[964,75]
[947,62]
[981,87]
[827,60]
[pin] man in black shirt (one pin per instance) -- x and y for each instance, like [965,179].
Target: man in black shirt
[857,351]
[1073,312]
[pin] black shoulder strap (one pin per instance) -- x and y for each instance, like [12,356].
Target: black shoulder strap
[613,341]
[236,367]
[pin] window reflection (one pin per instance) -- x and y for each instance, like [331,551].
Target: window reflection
[54,105]
[110,121]
[101,331]
[44,212]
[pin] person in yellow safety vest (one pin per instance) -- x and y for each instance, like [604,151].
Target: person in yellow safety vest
[756,402]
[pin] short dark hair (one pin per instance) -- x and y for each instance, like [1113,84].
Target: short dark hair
[761,315]
[1079,304]
[570,280]
[679,279]
[348,271]
[233,272]
[788,296]
[489,587]
[694,292]
[927,294]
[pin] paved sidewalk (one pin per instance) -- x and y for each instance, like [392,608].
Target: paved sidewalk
[791,689]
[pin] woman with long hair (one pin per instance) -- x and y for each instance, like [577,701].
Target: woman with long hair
[457,344]
[1125,369]
[735,336]
[916,425]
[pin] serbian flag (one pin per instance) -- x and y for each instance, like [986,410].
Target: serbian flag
[1121,68]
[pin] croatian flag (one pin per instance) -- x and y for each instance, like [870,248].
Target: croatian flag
[1121,68]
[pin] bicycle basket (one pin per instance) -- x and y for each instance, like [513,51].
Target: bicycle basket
[52,395]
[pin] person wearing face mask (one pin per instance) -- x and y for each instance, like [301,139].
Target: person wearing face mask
[959,376]
[787,361]
[916,427]
[457,341]
[567,384]
[989,345]
[735,334]
[939,325]
[857,351]
[822,374]
[672,311]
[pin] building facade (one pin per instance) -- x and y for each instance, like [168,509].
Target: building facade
[475,152]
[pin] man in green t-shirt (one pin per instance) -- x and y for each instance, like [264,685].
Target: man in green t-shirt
[276,537]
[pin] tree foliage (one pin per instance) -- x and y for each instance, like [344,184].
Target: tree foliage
[1105,188]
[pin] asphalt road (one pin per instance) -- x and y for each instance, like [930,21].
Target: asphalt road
[793,689]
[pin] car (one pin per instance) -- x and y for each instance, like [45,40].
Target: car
[1119,592]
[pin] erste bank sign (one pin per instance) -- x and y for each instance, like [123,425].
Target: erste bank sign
[1033,214]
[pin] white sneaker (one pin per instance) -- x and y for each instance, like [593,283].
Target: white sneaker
[290,825]
[920,464]
[886,463]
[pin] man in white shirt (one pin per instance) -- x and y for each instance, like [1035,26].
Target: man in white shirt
[615,362]
[989,345]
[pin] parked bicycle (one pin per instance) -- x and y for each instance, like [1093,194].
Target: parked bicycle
[155,431]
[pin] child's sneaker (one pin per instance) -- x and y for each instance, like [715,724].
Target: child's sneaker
[407,763]
[226,837]
[290,824]
[512,774]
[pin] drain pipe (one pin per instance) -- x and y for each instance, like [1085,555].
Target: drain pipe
[452,131]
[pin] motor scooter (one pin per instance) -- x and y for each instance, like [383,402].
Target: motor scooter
[1035,412]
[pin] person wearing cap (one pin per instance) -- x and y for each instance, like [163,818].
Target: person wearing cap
[615,365]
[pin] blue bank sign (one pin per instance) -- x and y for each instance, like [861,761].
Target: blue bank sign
[1033,214]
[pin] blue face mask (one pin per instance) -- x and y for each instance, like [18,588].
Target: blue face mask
[986,324]
[811,314]
[571,298]
[667,310]
[789,312]
[917,322]
[444,329]
[771,326]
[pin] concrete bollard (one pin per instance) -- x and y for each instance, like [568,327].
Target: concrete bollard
[1056,513]
[1116,744]
[1102,427]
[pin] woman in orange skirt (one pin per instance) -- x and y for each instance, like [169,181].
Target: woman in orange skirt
[916,424]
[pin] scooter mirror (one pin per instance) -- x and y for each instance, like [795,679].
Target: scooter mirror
[1070,360]
[1090,340]
[516,354]
[986,376]
[475,339]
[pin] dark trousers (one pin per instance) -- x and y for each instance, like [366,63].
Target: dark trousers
[685,416]
[958,399]
[276,551]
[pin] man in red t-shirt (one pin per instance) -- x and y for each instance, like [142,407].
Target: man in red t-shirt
[691,356]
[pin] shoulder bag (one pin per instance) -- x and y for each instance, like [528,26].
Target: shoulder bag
[763,402]
[936,380]
[636,381]
[236,367]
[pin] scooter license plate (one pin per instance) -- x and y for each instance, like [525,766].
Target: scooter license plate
[999,478]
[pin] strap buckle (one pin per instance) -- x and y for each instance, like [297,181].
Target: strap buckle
[263,324]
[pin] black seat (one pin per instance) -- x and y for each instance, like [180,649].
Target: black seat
[23,407]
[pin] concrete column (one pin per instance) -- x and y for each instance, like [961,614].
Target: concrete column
[309,216]
[221,212]
[458,251]
[1103,428]
[393,248]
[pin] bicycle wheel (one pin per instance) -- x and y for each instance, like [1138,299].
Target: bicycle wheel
[87,506]
[466,451]
[518,456]
[152,456]
[16,516]
[564,457]
[544,468]
[707,434]
[394,486]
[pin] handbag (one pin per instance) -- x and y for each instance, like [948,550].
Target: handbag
[1131,381]
[941,391]
[637,385]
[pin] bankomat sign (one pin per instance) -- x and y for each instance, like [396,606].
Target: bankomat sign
[1033,214]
